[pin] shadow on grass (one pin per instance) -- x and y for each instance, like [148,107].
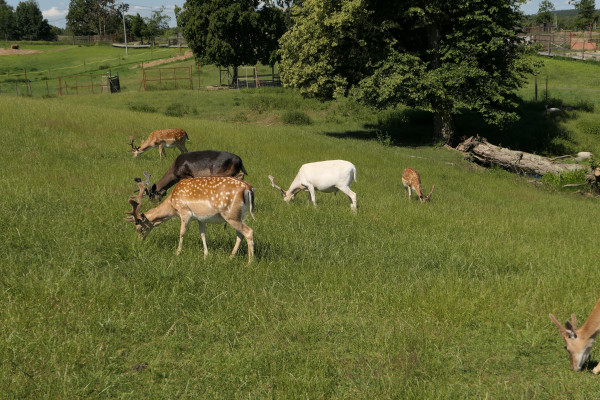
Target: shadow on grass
[537,131]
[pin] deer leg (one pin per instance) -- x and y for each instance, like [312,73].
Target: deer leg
[311,192]
[346,190]
[161,151]
[245,231]
[182,148]
[185,220]
[202,227]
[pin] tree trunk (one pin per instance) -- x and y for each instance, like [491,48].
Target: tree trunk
[487,154]
[443,128]
[234,80]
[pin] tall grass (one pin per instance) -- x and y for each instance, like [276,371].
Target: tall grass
[403,300]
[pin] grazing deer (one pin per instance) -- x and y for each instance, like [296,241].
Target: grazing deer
[412,181]
[213,199]
[325,176]
[196,164]
[579,341]
[161,139]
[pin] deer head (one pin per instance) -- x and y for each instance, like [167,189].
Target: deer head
[428,197]
[134,149]
[577,345]
[142,224]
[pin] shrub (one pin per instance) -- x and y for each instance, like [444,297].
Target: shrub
[557,181]
[179,110]
[142,107]
[295,118]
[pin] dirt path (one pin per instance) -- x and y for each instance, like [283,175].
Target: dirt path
[185,56]
[8,52]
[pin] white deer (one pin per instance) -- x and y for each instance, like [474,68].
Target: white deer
[325,176]
[412,181]
[213,199]
[579,341]
[161,138]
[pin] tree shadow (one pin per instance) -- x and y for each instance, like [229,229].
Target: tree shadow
[536,131]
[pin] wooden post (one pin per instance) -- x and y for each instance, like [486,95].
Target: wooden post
[59,86]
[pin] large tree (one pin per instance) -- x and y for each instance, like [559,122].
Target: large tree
[586,13]
[8,27]
[544,14]
[30,23]
[432,54]
[156,25]
[88,17]
[231,32]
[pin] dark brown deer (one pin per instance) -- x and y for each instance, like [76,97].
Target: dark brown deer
[212,199]
[196,164]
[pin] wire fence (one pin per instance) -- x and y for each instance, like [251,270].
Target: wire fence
[577,45]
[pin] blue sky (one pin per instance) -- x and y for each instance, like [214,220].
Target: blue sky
[56,10]
[532,6]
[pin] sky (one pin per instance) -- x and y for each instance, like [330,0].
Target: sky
[55,11]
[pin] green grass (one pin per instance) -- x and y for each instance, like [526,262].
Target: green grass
[448,299]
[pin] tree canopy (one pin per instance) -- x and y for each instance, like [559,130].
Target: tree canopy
[231,32]
[89,17]
[429,54]
[8,25]
[30,24]
[586,13]
[544,14]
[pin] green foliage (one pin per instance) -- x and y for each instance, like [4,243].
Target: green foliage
[30,24]
[545,12]
[180,110]
[435,56]
[557,181]
[231,32]
[142,107]
[294,117]
[586,13]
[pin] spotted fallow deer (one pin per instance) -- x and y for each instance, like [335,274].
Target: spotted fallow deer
[161,138]
[213,199]
[325,176]
[579,341]
[412,182]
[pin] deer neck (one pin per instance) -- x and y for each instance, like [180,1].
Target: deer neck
[591,327]
[161,213]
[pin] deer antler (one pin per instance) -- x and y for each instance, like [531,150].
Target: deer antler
[430,193]
[133,147]
[136,203]
[283,192]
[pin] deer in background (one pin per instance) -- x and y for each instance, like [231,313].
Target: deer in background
[325,176]
[213,199]
[161,139]
[196,164]
[579,341]
[412,181]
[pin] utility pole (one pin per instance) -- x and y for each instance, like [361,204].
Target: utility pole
[123,8]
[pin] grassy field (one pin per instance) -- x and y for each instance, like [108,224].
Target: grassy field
[448,299]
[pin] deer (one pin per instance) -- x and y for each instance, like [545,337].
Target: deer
[579,341]
[196,164]
[325,176]
[213,199]
[161,138]
[412,182]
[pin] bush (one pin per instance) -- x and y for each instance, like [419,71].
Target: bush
[296,118]
[557,181]
[179,110]
[142,107]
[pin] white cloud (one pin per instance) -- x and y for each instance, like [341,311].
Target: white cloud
[54,13]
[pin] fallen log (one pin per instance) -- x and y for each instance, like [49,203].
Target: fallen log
[521,162]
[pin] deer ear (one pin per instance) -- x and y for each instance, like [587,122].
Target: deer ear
[570,330]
